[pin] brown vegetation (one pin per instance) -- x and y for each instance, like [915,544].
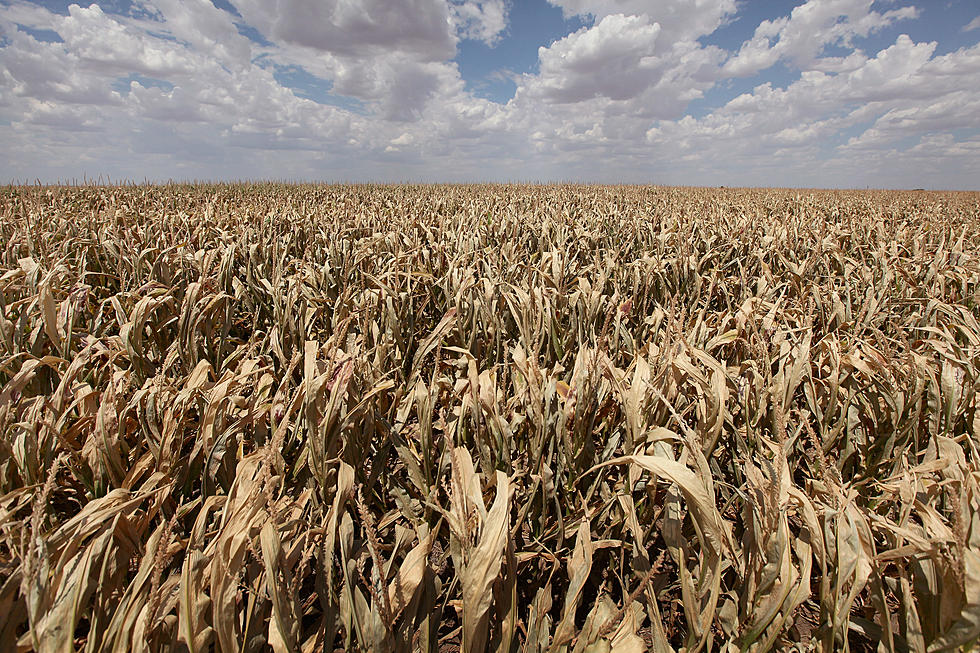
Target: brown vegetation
[489,418]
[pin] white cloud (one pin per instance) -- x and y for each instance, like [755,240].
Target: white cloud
[613,59]
[222,96]
[206,28]
[178,91]
[109,45]
[43,72]
[680,20]
[400,88]
[55,79]
[600,87]
[481,20]
[802,36]
[901,93]
[418,28]
[972,25]
[393,56]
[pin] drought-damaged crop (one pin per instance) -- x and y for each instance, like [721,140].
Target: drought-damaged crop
[488,418]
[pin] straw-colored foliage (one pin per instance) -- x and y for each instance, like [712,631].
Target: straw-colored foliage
[502,418]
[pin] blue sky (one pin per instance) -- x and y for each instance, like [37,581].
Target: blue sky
[488,67]
[818,93]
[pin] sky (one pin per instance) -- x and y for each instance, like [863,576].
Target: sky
[818,93]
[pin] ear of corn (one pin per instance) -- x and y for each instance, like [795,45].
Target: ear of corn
[498,418]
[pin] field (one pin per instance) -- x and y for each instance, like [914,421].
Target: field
[488,418]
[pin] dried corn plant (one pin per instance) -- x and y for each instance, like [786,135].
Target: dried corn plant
[495,418]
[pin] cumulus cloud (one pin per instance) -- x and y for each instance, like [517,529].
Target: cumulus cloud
[207,29]
[901,93]
[347,27]
[600,87]
[803,36]
[480,20]
[50,84]
[613,59]
[182,88]
[109,45]
[680,20]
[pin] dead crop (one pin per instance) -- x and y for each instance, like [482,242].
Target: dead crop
[488,418]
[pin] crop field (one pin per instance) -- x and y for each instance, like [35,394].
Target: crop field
[488,418]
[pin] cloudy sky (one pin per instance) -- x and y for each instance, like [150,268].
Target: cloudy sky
[840,93]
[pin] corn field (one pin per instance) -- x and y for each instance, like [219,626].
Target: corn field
[488,418]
